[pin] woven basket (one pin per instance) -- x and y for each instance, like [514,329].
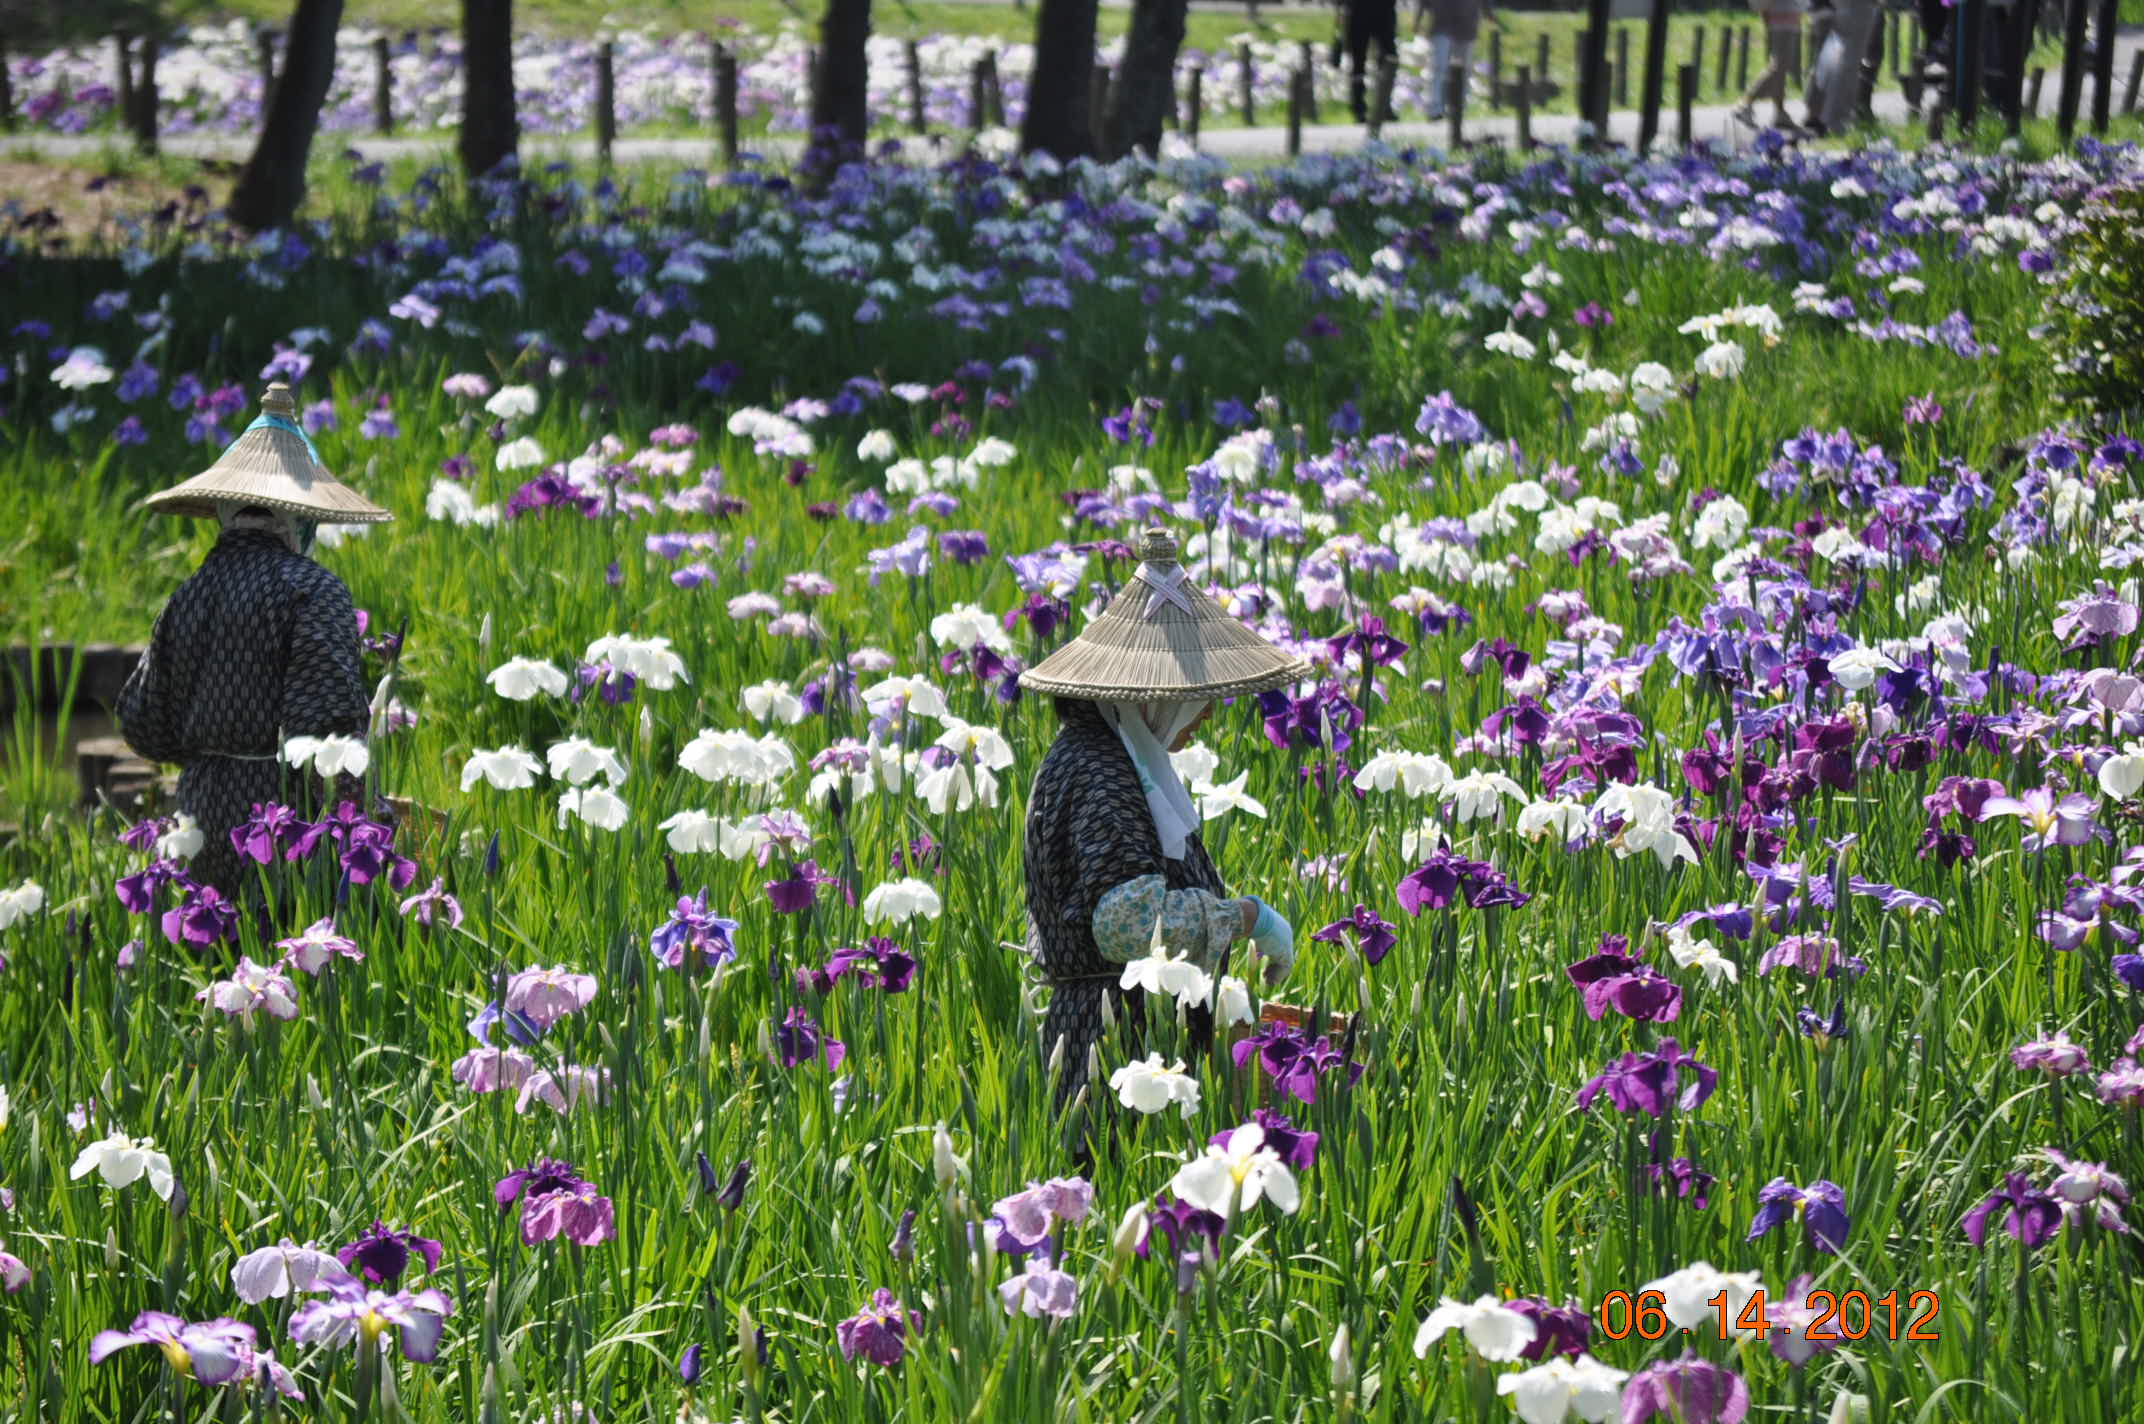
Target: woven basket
[274,468]
[1163,639]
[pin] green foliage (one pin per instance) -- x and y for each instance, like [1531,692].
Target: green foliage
[2097,308]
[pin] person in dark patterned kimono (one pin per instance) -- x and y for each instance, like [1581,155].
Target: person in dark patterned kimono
[1113,855]
[259,646]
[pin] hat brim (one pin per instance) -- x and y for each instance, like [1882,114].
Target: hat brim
[1174,654]
[273,469]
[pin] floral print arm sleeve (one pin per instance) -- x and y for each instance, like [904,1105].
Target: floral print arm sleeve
[1196,924]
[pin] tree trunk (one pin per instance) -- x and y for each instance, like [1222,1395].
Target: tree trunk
[840,114]
[489,130]
[273,184]
[1146,77]
[1057,121]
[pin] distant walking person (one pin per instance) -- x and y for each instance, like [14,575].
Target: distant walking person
[1835,78]
[259,646]
[1782,44]
[1369,22]
[1453,25]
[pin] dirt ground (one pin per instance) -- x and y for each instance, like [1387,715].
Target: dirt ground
[87,196]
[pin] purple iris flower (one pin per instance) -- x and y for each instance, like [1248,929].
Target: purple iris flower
[1686,1391]
[354,1314]
[880,964]
[519,1026]
[798,1039]
[688,1364]
[879,1331]
[267,833]
[2049,820]
[1372,936]
[2030,1215]
[731,1195]
[1615,980]
[545,1174]
[1180,1224]
[1820,1205]
[695,928]
[381,1254]
[1369,643]
[1816,1026]
[1815,955]
[1682,1177]
[1437,881]
[137,892]
[1292,1060]
[1558,1329]
[202,918]
[1297,1147]
[213,1352]
[1646,1082]
[433,905]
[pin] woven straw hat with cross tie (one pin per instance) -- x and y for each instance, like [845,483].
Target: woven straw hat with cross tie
[271,464]
[1163,639]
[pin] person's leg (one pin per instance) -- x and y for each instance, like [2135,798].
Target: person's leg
[1385,32]
[1358,52]
[1463,56]
[1820,26]
[1440,59]
[1842,90]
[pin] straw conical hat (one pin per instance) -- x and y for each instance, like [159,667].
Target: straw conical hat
[1163,640]
[272,464]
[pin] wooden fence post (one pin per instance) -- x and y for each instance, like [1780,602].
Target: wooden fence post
[2103,67]
[383,87]
[1727,54]
[2034,85]
[1541,56]
[145,96]
[1455,106]
[1685,100]
[993,91]
[1098,101]
[979,96]
[1192,103]
[1308,59]
[2072,74]
[726,104]
[2129,95]
[1697,52]
[1298,80]
[1496,69]
[1656,58]
[1742,60]
[7,90]
[1244,100]
[913,56]
[1622,66]
[123,70]
[1526,108]
[606,101]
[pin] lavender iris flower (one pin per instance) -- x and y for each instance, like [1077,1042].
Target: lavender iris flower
[1821,1207]
[202,918]
[354,1313]
[1686,1391]
[212,1352]
[1181,1226]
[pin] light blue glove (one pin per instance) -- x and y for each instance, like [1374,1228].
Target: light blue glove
[1274,941]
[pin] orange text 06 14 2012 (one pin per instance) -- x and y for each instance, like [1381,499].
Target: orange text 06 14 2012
[1820,1316]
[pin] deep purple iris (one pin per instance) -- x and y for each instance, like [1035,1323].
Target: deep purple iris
[202,918]
[2030,1215]
[1558,1329]
[1180,1224]
[1372,936]
[1296,1146]
[1647,1082]
[381,1253]
[1820,1205]
[1292,1060]
[1444,877]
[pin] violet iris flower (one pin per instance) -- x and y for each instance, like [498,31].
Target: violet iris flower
[211,1352]
[556,1202]
[1297,1147]
[1292,1060]
[1444,877]
[2049,820]
[1180,1224]
[519,1027]
[1373,937]
[1821,1207]
[798,1038]
[202,918]
[354,1313]
[1646,1082]
[879,1331]
[1686,1391]
[1684,1178]
[137,892]
[1368,642]
[267,833]
[433,905]
[381,1254]
[1614,980]
[694,937]
[1815,1026]
[1558,1329]
[2031,1216]
[2053,1055]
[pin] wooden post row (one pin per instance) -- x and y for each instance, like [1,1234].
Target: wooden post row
[912,55]
[383,87]
[1526,108]
[1455,105]
[1685,101]
[1298,80]
[726,104]
[1244,98]
[1192,102]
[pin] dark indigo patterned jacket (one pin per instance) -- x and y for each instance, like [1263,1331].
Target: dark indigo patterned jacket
[259,646]
[1089,831]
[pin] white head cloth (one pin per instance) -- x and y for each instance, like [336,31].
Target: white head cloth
[1147,729]
[284,525]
